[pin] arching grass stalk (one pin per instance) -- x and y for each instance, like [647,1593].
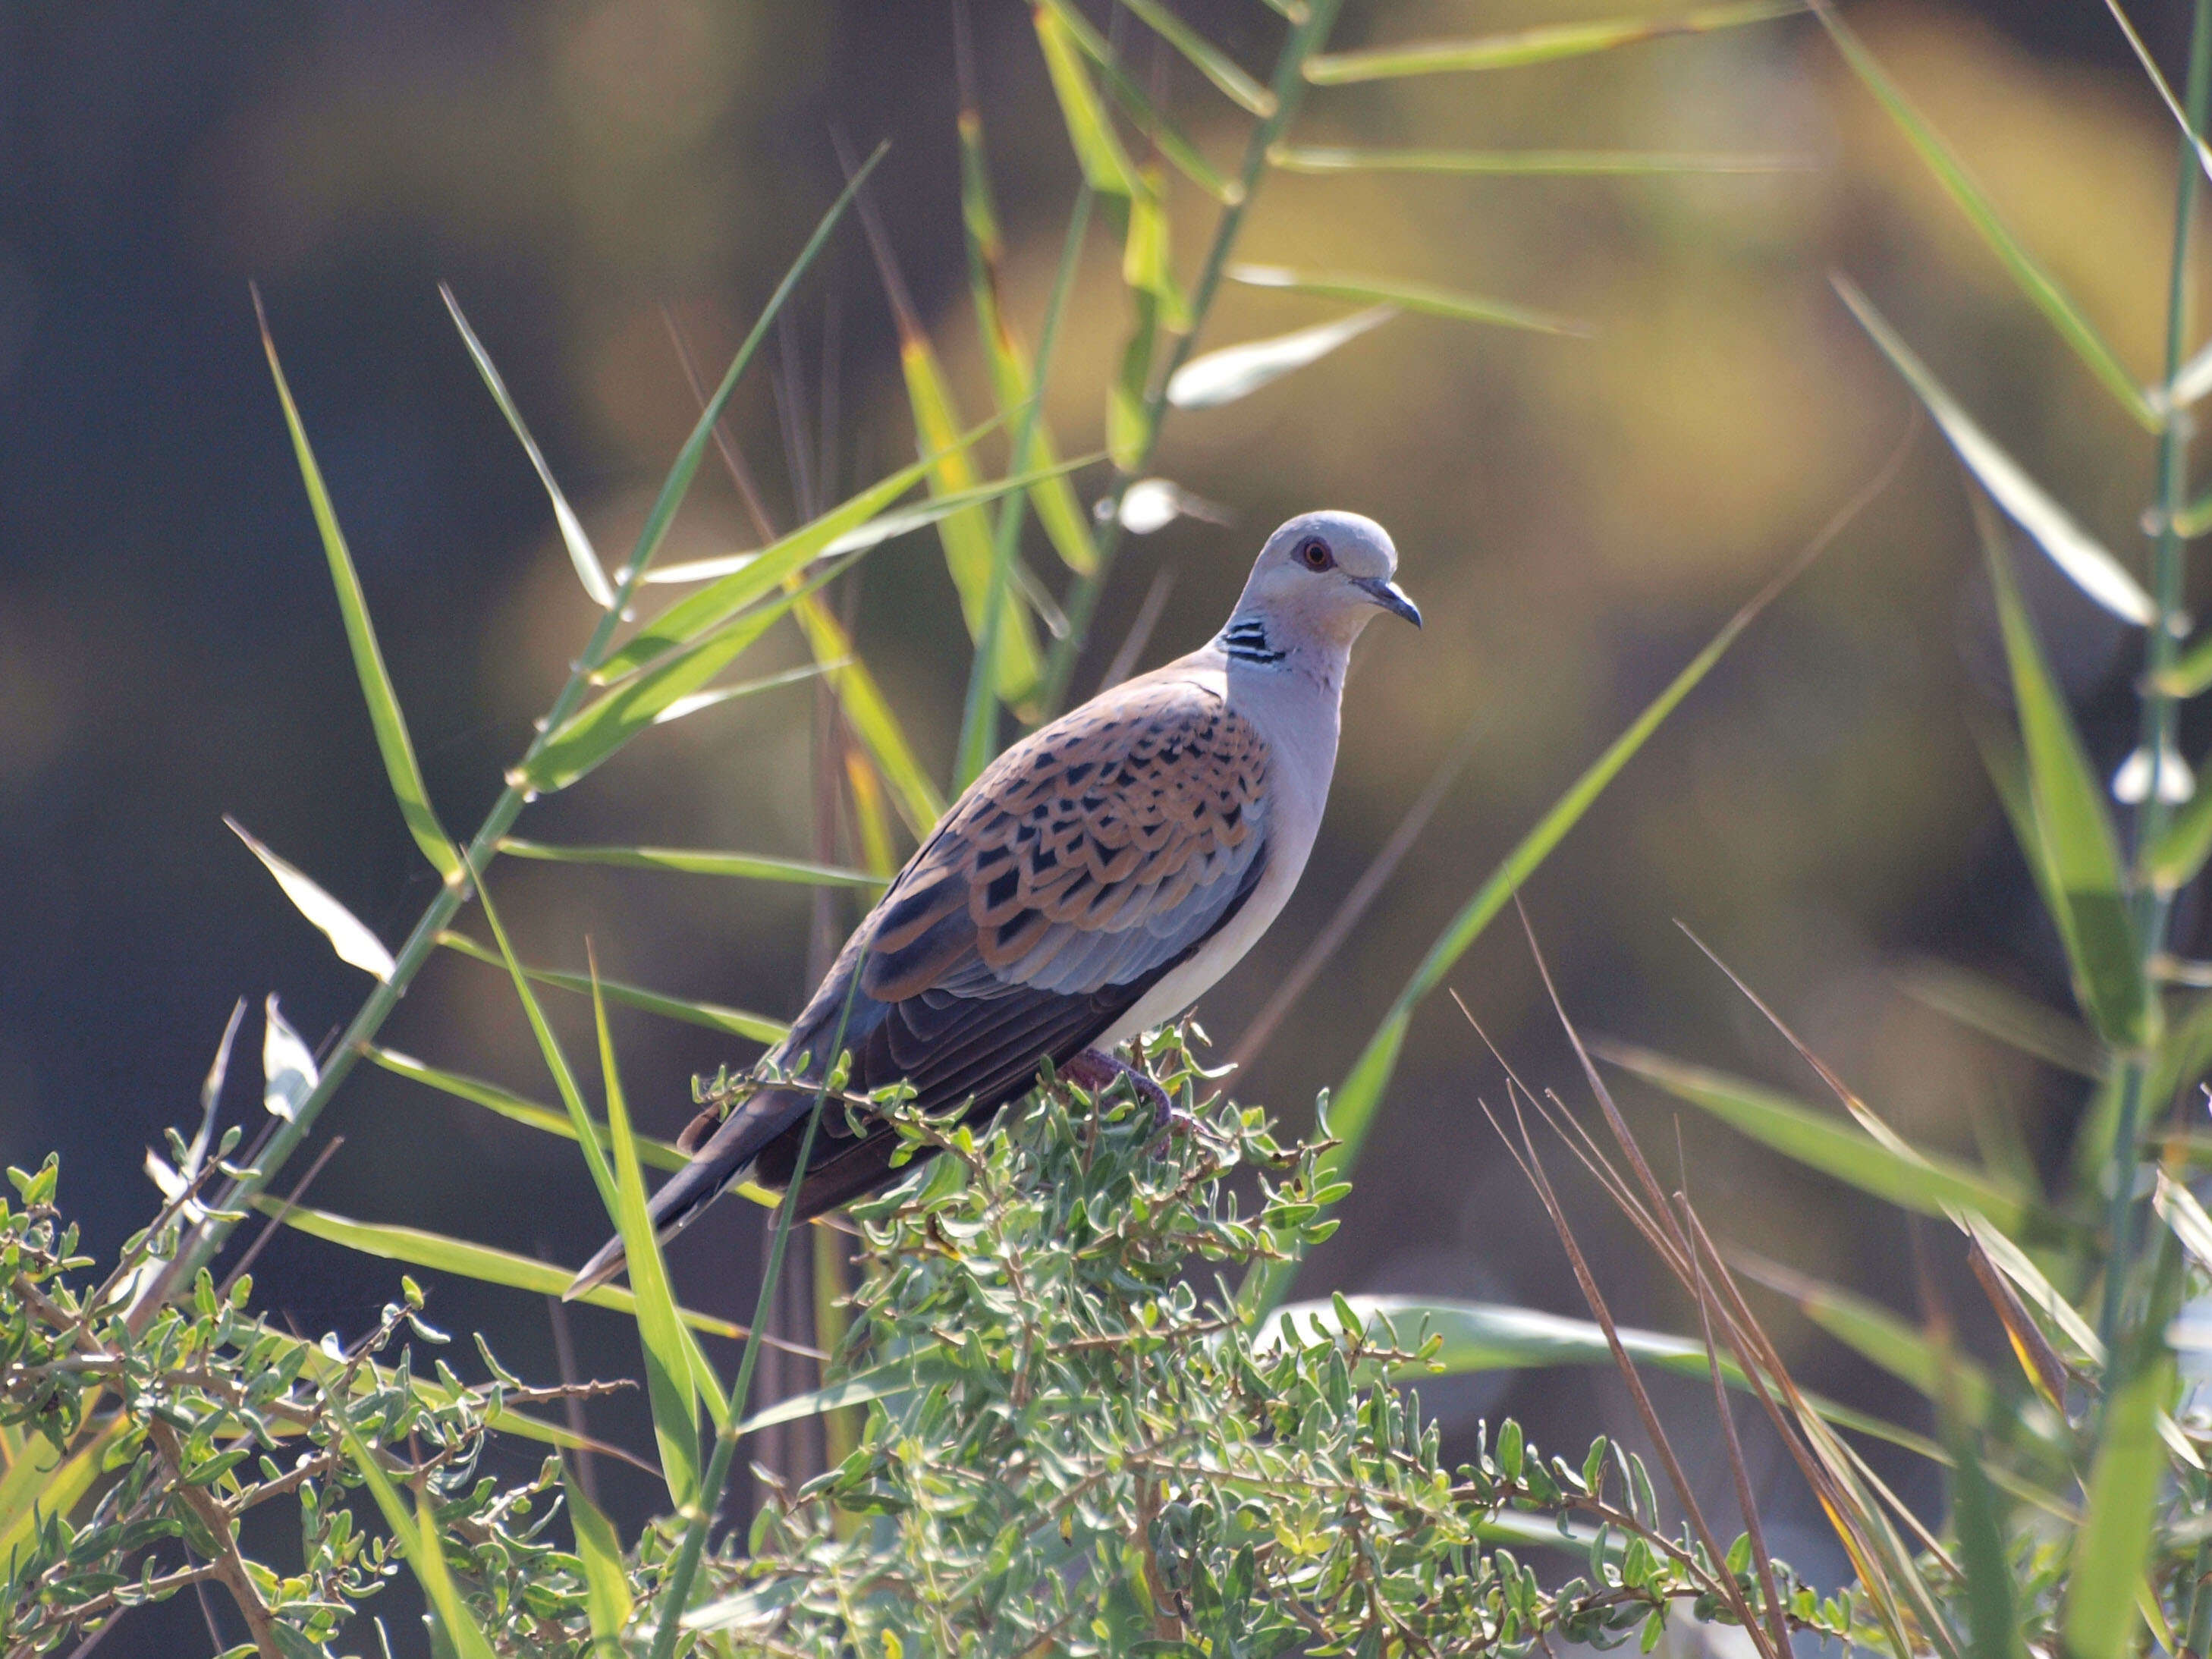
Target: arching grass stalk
[199,1247]
[701,1519]
[1305,38]
[2153,905]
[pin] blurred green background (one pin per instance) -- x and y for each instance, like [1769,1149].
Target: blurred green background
[1575,516]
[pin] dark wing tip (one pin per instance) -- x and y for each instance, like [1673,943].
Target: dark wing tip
[596,1271]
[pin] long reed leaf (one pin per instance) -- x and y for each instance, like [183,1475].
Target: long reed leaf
[1238,371]
[607,1600]
[513,1107]
[1174,145]
[484,1263]
[2114,1542]
[1544,44]
[1208,59]
[348,936]
[2041,288]
[1329,159]
[756,1028]
[1820,1140]
[1099,151]
[417,1533]
[2074,828]
[749,867]
[582,554]
[1407,296]
[385,718]
[2003,1015]
[669,1383]
[2084,560]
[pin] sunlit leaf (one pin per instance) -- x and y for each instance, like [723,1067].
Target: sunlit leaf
[1546,43]
[1054,500]
[1129,412]
[2085,561]
[690,618]
[2037,284]
[731,691]
[1407,296]
[2074,830]
[887,527]
[868,712]
[1223,376]
[549,1044]
[716,1018]
[749,866]
[1145,261]
[2191,673]
[1926,1182]
[1152,504]
[1528,163]
[1998,1011]
[1174,145]
[582,554]
[385,718]
[607,1601]
[481,1262]
[597,732]
[2038,1290]
[668,1377]
[513,1107]
[1875,1334]
[2175,856]
[2178,1206]
[1204,57]
[287,1064]
[1098,150]
[417,1533]
[353,942]
[2113,1546]
[46,1480]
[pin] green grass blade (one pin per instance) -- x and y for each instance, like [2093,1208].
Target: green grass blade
[1352,1108]
[750,867]
[1128,416]
[349,937]
[43,1480]
[1208,59]
[1060,514]
[2113,1546]
[1238,371]
[756,1028]
[1174,145]
[2076,831]
[2040,1294]
[1097,148]
[436,1252]
[668,1376]
[513,1107]
[2176,855]
[417,1533]
[1407,296]
[2003,1015]
[2037,284]
[548,1045]
[1878,1335]
[607,1601]
[2085,561]
[1820,1140]
[597,732]
[877,1383]
[383,715]
[690,618]
[1544,44]
[966,534]
[2191,673]
[654,530]
[1329,159]
[868,712]
[582,554]
[1992,1612]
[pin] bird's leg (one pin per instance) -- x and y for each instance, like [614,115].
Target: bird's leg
[1098,1071]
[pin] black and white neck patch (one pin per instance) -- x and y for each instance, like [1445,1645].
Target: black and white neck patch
[1245,640]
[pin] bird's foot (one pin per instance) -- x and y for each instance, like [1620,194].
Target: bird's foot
[1098,1073]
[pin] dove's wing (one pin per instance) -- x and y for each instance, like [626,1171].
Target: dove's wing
[1086,863]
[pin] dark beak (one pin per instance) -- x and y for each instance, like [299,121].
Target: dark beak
[1391,597]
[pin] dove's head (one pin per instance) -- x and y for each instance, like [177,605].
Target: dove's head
[1318,581]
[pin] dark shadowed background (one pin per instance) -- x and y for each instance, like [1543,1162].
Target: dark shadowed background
[1575,516]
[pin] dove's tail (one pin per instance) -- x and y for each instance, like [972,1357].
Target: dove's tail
[726,1158]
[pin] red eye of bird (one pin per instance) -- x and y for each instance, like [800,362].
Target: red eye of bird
[1316,556]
